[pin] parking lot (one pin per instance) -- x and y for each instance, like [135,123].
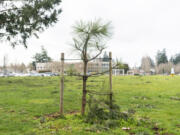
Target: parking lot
[46,74]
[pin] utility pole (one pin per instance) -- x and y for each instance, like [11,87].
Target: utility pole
[5,65]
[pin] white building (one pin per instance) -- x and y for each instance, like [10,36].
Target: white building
[117,72]
[93,67]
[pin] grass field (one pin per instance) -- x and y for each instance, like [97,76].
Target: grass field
[28,105]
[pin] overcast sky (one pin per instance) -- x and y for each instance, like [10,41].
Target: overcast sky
[141,27]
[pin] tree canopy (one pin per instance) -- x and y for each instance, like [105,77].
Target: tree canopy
[175,59]
[42,57]
[161,57]
[89,39]
[121,65]
[19,20]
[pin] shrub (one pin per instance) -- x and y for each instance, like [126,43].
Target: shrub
[100,114]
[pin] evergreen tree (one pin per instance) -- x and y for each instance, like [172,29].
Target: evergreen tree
[175,59]
[42,57]
[89,42]
[161,57]
[105,57]
[19,20]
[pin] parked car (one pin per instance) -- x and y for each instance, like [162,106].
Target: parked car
[1,75]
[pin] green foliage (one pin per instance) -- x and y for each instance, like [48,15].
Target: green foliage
[42,57]
[93,28]
[100,114]
[121,65]
[105,57]
[89,39]
[161,57]
[71,70]
[19,20]
[98,111]
[175,59]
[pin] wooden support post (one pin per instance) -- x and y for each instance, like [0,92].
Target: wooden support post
[62,84]
[110,79]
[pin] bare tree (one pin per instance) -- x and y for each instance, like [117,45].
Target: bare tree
[30,67]
[164,68]
[21,68]
[89,42]
[177,68]
[147,64]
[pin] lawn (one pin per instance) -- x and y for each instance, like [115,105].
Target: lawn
[28,105]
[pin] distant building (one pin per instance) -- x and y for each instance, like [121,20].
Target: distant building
[48,67]
[78,66]
[117,72]
[97,66]
[137,71]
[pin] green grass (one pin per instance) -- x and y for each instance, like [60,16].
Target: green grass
[26,101]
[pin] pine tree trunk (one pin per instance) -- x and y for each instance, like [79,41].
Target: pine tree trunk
[84,92]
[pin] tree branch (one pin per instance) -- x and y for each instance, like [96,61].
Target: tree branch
[100,51]
[76,46]
[5,10]
[11,0]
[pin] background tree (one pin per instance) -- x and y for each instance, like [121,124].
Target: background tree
[22,68]
[161,57]
[18,68]
[175,59]
[89,42]
[71,70]
[121,65]
[125,67]
[164,68]
[105,57]
[177,68]
[41,57]
[147,64]
[20,19]
[30,67]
